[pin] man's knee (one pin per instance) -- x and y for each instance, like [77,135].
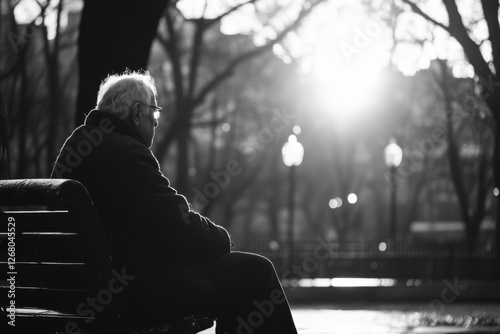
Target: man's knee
[251,266]
[263,264]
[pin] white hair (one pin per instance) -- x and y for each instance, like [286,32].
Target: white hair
[119,91]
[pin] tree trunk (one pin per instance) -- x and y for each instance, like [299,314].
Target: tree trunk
[52,59]
[24,108]
[114,35]
[491,94]
[181,180]
[4,143]
[228,214]
[496,166]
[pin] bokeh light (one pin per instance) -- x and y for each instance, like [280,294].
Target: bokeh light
[382,246]
[335,203]
[226,127]
[274,245]
[352,198]
[297,130]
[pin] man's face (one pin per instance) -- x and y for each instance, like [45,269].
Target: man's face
[147,122]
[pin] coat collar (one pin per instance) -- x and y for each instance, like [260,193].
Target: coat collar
[95,116]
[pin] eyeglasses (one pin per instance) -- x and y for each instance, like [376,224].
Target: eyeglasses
[156,113]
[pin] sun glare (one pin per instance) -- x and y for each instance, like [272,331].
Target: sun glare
[348,89]
[348,64]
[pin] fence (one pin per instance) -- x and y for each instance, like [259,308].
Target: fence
[431,259]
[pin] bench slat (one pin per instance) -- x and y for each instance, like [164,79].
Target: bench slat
[42,221]
[63,300]
[53,274]
[44,246]
[48,321]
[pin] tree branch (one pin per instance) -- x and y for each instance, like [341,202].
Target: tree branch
[457,30]
[173,52]
[220,17]
[195,56]
[226,72]
[205,6]
[490,10]
[471,49]
[420,12]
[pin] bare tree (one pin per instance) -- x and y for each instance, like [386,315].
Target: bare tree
[487,73]
[31,81]
[471,195]
[51,53]
[189,91]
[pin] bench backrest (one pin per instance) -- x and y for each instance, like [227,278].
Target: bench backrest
[55,256]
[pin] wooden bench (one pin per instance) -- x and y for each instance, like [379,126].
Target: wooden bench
[53,256]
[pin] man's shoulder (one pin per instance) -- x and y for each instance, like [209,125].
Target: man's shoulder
[89,151]
[98,138]
[90,144]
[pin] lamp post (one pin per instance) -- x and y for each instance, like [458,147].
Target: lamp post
[393,156]
[292,154]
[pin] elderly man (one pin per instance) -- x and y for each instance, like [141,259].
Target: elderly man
[181,261]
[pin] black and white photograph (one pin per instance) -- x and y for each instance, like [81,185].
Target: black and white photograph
[249,166]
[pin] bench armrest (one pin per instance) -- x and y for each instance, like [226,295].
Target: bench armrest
[49,192]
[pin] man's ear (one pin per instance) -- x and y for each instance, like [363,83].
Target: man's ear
[135,110]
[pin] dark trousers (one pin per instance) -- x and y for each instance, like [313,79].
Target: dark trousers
[241,289]
[249,296]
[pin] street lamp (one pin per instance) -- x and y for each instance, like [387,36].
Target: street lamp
[393,157]
[292,154]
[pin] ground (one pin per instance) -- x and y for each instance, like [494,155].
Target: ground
[396,318]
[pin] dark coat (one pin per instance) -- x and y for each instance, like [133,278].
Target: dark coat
[148,224]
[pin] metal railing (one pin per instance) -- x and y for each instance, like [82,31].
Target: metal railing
[408,258]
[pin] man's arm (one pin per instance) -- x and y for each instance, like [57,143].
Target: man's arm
[194,236]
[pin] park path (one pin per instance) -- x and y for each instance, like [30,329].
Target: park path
[395,319]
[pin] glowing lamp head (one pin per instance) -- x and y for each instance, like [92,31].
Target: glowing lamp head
[393,154]
[292,152]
